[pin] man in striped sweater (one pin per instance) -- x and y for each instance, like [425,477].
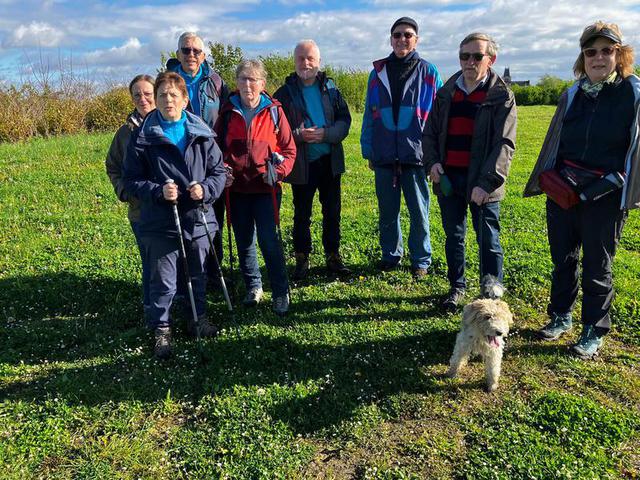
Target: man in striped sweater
[468,143]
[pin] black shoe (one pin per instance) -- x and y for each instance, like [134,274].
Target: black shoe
[453,299]
[387,266]
[162,348]
[335,265]
[206,329]
[302,266]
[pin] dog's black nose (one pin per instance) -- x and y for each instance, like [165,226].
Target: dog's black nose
[498,333]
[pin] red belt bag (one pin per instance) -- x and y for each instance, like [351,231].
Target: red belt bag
[557,189]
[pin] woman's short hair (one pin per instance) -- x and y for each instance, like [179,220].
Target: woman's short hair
[624,53]
[254,66]
[172,78]
[141,78]
[492,46]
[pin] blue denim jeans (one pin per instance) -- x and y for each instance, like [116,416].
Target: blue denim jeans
[135,227]
[253,213]
[412,181]
[454,223]
[163,258]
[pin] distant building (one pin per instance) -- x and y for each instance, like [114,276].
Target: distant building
[506,76]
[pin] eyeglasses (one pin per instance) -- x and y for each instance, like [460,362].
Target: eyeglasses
[605,51]
[187,51]
[406,35]
[137,96]
[251,80]
[464,56]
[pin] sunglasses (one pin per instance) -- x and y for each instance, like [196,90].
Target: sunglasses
[605,51]
[187,51]
[406,35]
[464,56]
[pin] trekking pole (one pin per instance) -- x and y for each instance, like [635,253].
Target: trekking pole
[480,239]
[273,178]
[227,207]
[203,210]
[185,264]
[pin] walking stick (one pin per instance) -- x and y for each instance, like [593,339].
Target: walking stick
[227,207]
[185,264]
[273,178]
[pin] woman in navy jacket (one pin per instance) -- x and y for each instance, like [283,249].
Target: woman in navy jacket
[173,144]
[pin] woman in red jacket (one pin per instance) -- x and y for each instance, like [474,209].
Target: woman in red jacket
[253,133]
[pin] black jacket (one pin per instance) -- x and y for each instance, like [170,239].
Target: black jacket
[337,116]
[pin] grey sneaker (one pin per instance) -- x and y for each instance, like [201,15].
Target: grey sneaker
[253,297]
[206,329]
[559,325]
[162,348]
[589,343]
[302,266]
[454,298]
[281,305]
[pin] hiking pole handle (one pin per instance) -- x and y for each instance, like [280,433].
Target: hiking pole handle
[169,181]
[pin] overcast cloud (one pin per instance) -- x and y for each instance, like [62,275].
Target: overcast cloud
[115,40]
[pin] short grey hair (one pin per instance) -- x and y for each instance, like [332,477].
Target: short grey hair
[492,46]
[187,35]
[304,43]
[252,66]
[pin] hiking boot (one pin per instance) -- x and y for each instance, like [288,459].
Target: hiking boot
[559,325]
[589,343]
[418,272]
[281,305]
[454,299]
[253,297]
[162,348]
[386,266]
[206,329]
[335,265]
[302,266]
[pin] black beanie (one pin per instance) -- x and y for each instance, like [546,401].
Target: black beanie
[407,21]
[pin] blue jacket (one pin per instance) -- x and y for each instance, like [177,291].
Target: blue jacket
[382,141]
[152,158]
[212,92]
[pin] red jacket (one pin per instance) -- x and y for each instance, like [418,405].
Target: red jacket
[246,151]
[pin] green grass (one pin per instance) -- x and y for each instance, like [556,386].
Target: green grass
[349,385]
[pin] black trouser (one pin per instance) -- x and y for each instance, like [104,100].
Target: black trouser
[321,178]
[596,226]
[218,211]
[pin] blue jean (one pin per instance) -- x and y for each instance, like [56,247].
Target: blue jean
[135,227]
[454,223]
[413,183]
[253,213]
[163,258]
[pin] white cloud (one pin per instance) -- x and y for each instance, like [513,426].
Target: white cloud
[126,54]
[35,34]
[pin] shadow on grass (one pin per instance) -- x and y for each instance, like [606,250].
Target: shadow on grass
[106,359]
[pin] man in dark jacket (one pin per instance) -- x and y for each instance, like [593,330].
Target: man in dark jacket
[207,92]
[320,121]
[468,144]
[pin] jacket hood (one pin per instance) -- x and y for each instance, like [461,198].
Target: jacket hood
[173,65]
[151,132]
[135,119]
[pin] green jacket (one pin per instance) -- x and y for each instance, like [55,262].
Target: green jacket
[494,136]
[115,159]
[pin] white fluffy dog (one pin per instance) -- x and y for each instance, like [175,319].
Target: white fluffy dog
[485,323]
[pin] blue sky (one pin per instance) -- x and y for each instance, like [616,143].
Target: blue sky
[113,40]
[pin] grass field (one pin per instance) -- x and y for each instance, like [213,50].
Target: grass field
[349,385]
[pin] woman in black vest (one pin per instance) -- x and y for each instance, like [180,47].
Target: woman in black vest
[585,168]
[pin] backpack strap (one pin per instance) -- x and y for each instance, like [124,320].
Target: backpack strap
[275,117]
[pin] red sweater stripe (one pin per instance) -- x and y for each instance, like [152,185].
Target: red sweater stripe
[462,114]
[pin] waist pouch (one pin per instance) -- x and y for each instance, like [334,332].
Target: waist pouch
[557,189]
[579,177]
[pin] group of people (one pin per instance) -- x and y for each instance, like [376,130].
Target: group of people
[192,142]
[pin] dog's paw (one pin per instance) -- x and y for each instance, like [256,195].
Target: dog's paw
[491,387]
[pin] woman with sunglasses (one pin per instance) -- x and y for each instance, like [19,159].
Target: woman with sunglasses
[141,91]
[588,167]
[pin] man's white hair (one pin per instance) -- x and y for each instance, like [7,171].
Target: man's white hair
[187,35]
[305,43]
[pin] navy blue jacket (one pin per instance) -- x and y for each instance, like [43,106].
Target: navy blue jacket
[152,158]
